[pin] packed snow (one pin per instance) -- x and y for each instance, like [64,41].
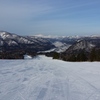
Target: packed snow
[43,78]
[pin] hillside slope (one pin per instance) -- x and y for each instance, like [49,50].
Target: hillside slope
[13,42]
[83,50]
[42,78]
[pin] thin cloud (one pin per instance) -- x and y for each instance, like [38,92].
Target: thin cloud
[24,10]
[34,16]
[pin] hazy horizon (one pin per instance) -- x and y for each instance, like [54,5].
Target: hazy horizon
[49,17]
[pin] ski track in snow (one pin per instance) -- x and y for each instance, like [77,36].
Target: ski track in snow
[46,79]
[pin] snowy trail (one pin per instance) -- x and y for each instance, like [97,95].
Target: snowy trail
[46,79]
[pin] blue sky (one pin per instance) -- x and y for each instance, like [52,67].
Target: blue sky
[50,17]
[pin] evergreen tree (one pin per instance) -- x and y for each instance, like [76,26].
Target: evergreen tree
[72,58]
[98,55]
[56,55]
[93,55]
[81,56]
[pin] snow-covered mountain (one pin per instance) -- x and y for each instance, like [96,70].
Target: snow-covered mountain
[75,42]
[83,50]
[9,40]
[46,44]
[13,39]
[82,45]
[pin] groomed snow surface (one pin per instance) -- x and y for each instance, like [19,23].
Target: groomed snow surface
[45,79]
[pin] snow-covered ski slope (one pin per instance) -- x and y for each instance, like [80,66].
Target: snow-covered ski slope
[46,79]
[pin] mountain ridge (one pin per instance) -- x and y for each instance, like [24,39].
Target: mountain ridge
[67,46]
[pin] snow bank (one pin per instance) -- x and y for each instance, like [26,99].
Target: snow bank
[27,57]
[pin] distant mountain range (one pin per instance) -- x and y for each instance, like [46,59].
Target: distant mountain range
[10,42]
[67,45]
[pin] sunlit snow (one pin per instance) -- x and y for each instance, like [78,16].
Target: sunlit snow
[43,78]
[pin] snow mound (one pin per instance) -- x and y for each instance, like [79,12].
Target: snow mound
[27,57]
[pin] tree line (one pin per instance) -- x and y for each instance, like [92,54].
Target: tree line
[93,55]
